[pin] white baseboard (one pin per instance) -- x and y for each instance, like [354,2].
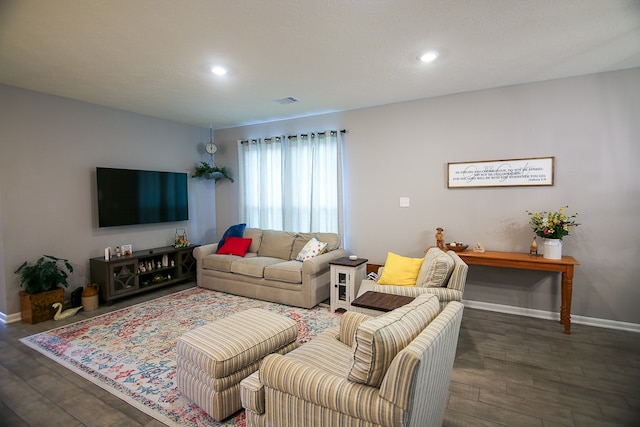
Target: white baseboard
[509,309]
[15,317]
[548,315]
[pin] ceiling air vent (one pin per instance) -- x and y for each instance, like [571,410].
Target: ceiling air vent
[287,100]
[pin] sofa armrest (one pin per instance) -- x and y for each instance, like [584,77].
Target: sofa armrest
[202,251]
[321,262]
[252,394]
[321,388]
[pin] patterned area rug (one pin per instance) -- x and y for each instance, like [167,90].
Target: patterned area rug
[131,352]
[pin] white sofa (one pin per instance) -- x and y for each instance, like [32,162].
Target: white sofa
[269,270]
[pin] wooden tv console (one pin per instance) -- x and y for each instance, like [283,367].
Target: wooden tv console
[123,276]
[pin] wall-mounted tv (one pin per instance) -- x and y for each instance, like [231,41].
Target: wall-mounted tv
[127,197]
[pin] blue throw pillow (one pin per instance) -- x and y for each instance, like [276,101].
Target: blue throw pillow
[233,231]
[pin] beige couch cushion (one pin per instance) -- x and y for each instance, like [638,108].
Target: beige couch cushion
[255,234]
[436,269]
[218,262]
[378,340]
[253,267]
[276,244]
[289,271]
[331,239]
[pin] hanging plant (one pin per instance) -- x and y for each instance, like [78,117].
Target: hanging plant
[206,171]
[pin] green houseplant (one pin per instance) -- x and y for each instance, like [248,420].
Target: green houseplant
[42,282]
[207,171]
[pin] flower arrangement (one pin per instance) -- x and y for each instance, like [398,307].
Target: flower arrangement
[552,225]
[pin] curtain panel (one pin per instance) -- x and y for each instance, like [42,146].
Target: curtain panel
[292,183]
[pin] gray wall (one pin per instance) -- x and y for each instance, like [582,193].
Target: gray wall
[590,124]
[49,149]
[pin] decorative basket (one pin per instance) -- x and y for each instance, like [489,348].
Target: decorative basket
[459,246]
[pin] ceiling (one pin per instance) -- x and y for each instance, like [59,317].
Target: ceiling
[154,56]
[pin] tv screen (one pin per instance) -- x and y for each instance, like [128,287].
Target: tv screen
[127,197]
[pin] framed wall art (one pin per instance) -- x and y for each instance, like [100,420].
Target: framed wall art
[534,171]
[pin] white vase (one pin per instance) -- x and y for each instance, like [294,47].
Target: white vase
[552,249]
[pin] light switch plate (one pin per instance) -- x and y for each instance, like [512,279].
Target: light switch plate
[404,202]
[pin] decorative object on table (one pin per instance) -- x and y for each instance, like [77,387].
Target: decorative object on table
[478,248]
[553,227]
[457,246]
[439,238]
[127,250]
[107,253]
[210,170]
[118,253]
[180,240]
[90,300]
[533,249]
[64,314]
[42,282]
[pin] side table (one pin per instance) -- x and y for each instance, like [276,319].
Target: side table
[346,276]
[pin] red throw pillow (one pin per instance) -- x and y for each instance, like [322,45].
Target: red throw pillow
[235,246]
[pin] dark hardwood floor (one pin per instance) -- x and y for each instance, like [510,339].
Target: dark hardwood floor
[509,371]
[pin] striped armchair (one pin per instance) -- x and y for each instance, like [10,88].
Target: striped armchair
[451,291]
[390,370]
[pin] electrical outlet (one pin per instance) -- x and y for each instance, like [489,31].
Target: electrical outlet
[404,202]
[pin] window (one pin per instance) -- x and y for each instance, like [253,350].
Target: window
[292,183]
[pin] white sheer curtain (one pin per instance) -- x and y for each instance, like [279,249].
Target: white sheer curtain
[292,183]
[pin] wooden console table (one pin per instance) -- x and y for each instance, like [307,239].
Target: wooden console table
[532,262]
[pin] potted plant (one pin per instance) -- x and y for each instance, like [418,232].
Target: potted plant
[42,282]
[207,171]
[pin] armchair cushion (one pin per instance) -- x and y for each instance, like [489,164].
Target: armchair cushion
[378,340]
[435,270]
[400,271]
[349,322]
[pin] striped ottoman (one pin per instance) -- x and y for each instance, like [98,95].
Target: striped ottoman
[213,359]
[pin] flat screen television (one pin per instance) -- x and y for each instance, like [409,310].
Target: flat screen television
[127,197]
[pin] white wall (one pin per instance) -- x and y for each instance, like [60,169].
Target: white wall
[590,124]
[49,149]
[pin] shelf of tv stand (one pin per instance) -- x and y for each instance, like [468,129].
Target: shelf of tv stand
[121,276]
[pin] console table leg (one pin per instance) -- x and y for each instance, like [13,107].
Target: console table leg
[567,290]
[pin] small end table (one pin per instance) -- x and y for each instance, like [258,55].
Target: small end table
[346,276]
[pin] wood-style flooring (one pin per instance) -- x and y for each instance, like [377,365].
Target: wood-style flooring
[509,371]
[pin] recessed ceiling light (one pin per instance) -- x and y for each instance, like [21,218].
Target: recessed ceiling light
[219,71]
[429,56]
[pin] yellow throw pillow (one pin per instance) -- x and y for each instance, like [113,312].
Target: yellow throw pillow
[400,271]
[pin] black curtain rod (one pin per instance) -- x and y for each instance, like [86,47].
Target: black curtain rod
[245,141]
